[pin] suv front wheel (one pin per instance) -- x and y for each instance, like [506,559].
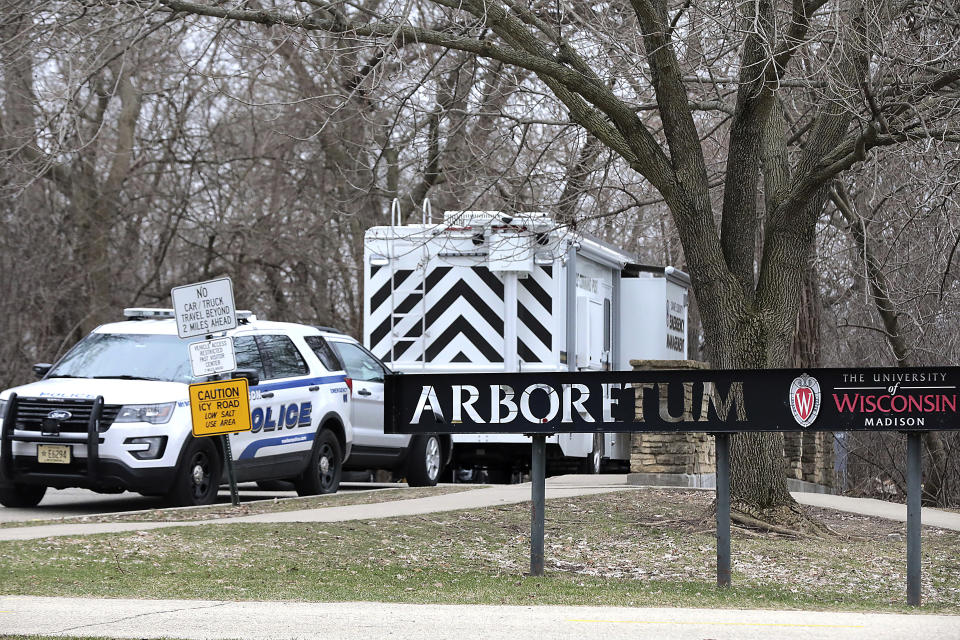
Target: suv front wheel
[22,495]
[197,479]
[424,461]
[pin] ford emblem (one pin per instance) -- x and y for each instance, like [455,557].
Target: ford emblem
[59,415]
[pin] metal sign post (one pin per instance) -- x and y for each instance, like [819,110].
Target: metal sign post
[231,472]
[914,477]
[723,509]
[538,490]
[217,408]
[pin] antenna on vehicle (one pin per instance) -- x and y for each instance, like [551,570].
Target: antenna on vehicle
[395,216]
[427,211]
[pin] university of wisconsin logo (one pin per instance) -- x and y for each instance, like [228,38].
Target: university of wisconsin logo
[805,399]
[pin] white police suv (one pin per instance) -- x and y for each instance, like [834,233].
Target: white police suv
[113,414]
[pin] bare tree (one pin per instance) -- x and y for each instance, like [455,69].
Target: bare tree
[736,118]
[775,99]
[903,225]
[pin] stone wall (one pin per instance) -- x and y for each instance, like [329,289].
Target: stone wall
[809,455]
[682,453]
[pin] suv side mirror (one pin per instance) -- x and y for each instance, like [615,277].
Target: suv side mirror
[253,378]
[41,369]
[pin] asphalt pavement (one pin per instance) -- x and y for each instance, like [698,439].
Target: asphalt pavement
[199,619]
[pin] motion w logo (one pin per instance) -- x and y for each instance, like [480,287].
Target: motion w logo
[805,399]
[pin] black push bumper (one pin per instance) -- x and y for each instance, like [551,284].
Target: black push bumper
[87,473]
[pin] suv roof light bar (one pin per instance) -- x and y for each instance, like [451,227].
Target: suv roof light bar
[143,313]
[146,313]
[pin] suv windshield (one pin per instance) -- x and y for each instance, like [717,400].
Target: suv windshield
[127,356]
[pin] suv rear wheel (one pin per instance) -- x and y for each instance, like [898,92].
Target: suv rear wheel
[322,474]
[424,459]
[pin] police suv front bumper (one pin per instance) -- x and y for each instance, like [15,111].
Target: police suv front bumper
[88,471]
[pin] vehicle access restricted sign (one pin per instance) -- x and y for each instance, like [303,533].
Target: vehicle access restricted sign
[220,407]
[211,357]
[715,401]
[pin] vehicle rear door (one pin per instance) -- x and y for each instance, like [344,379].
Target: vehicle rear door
[366,406]
[282,413]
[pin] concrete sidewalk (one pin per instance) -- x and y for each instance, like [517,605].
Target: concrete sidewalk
[879,509]
[365,620]
[556,487]
[496,495]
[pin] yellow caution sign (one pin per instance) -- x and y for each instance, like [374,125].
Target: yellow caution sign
[220,407]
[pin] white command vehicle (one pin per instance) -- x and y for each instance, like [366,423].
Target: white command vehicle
[487,291]
[113,414]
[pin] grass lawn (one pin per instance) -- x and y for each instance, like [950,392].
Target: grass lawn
[646,547]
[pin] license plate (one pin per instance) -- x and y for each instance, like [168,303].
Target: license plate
[53,453]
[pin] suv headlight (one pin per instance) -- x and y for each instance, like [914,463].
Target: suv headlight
[152,413]
[3,409]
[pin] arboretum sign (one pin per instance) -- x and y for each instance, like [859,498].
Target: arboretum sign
[720,401]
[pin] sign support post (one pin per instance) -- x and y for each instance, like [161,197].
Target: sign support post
[231,473]
[723,509]
[538,473]
[914,475]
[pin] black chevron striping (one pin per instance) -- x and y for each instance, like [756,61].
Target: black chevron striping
[460,357]
[415,331]
[495,283]
[525,353]
[461,325]
[462,289]
[384,327]
[538,293]
[400,276]
[407,346]
[400,348]
[528,319]
[384,292]
[380,332]
[436,275]
[408,303]
[379,297]
[374,268]
[547,269]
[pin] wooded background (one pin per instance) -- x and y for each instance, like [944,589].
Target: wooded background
[144,145]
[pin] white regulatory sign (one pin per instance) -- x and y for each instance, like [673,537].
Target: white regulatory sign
[212,356]
[204,308]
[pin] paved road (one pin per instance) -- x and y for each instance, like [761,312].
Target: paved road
[366,620]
